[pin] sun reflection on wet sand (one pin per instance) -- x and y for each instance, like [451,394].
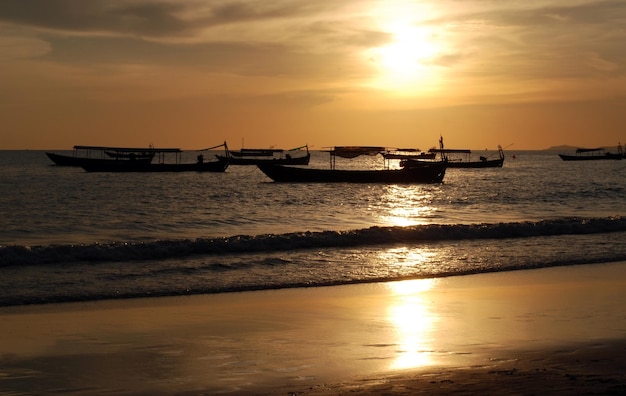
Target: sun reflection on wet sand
[414,323]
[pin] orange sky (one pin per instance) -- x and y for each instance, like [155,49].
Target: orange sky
[193,73]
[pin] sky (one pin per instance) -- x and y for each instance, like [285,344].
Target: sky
[193,73]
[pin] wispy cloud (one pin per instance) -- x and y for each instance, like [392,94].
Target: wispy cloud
[144,18]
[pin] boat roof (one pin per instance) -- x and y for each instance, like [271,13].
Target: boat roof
[130,149]
[408,150]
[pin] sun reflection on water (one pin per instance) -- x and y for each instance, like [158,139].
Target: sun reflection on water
[406,257]
[406,205]
[414,322]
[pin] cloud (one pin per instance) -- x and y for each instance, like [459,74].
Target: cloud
[22,47]
[241,37]
[95,16]
[527,42]
[142,18]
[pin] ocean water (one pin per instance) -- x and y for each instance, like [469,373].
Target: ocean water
[68,235]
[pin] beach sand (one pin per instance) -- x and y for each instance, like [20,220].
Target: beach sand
[545,331]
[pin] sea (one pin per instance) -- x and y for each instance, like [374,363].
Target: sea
[67,235]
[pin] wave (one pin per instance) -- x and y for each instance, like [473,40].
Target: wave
[15,255]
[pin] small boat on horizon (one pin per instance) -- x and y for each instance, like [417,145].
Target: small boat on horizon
[593,154]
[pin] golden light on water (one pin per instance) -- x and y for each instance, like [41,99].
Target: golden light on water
[405,257]
[406,205]
[413,322]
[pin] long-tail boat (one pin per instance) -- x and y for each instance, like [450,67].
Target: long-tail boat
[163,163]
[418,172]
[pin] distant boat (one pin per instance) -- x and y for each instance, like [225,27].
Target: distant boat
[467,161]
[421,172]
[220,165]
[83,154]
[592,154]
[295,156]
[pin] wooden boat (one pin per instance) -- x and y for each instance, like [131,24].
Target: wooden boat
[261,156]
[421,172]
[220,165]
[92,154]
[592,154]
[467,162]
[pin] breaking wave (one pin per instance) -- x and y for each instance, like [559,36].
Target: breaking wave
[15,255]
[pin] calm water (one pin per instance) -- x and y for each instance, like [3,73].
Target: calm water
[68,235]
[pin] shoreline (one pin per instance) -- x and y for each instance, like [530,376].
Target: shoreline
[559,328]
[585,368]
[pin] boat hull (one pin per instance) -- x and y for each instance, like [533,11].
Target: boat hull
[64,160]
[497,163]
[426,173]
[607,156]
[129,166]
[68,160]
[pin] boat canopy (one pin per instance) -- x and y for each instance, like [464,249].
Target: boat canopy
[408,150]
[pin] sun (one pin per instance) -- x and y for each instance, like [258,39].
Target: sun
[407,62]
[410,51]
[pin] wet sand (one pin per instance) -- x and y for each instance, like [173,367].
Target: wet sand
[547,331]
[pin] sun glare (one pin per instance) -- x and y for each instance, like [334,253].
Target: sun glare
[406,63]
[409,51]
